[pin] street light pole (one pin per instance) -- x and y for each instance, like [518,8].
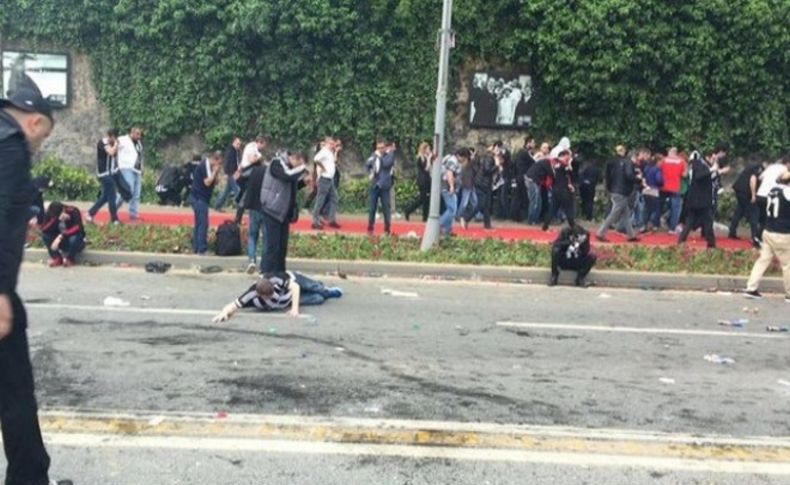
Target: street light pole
[431,235]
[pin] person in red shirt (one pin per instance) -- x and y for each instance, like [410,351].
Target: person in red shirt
[673,169]
[63,234]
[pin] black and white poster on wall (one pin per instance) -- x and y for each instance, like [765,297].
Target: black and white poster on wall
[50,71]
[501,100]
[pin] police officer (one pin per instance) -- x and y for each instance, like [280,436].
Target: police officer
[25,121]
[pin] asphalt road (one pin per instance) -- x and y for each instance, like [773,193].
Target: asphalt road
[449,352]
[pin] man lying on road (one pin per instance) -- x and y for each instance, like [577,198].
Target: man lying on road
[278,291]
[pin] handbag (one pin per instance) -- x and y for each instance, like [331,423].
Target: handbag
[122,186]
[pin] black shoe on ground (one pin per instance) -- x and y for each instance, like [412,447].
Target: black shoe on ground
[317,227]
[753,295]
[581,282]
[633,239]
[555,278]
[334,225]
[757,243]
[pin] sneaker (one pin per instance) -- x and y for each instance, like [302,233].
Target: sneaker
[633,239]
[252,268]
[757,243]
[116,223]
[753,295]
[334,225]
[334,292]
[68,263]
[55,262]
[317,227]
[555,278]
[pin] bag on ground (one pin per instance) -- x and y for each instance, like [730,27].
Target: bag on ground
[228,239]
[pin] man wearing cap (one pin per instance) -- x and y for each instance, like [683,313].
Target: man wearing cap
[25,121]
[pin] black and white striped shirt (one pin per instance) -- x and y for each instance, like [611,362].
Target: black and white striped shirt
[279,300]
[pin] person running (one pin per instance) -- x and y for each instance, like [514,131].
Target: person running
[571,251]
[63,234]
[279,291]
[25,122]
[776,239]
[106,166]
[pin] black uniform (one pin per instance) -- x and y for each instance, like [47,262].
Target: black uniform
[746,208]
[571,251]
[699,203]
[563,195]
[588,181]
[484,184]
[519,202]
[28,461]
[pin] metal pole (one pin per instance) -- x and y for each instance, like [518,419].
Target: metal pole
[431,235]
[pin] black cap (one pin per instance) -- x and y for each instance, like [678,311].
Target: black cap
[27,97]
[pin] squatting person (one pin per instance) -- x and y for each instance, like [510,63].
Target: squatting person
[63,234]
[571,251]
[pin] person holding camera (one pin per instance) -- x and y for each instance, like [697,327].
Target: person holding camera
[203,183]
[571,251]
[381,170]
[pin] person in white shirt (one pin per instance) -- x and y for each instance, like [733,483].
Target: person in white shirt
[130,163]
[250,158]
[767,183]
[326,191]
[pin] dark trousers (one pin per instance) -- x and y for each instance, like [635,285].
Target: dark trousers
[561,200]
[587,193]
[582,265]
[699,217]
[69,248]
[200,231]
[484,203]
[378,194]
[28,461]
[749,211]
[503,200]
[275,244]
[242,183]
[652,211]
[762,214]
[422,202]
[109,196]
[519,202]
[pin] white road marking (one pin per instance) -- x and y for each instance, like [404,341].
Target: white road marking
[399,294]
[647,330]
[156,311]
[411,451]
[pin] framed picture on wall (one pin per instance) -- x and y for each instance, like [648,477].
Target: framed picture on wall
[501,100]
[51,72]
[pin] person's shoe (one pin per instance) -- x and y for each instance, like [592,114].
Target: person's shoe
[582,282]
[334,292]
[406,216]
[317,227]
[544,228]
[753,295]
[633,239]
[252,268]
[89,218]
[602,239]
[555,278]
[116,223]
[757,243]
[733,236]
[55,262]
[464,224]
[334,225]
[68,263]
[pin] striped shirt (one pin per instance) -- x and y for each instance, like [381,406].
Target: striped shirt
[279,300]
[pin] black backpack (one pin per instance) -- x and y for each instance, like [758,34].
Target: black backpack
[228,239]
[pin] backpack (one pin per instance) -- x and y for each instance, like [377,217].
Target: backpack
[228,239]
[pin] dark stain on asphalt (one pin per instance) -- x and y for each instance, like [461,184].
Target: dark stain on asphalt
[236,463]
[522,333]
[54,384]
[178,340]
[37,301]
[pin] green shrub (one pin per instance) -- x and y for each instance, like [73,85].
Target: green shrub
[70,182]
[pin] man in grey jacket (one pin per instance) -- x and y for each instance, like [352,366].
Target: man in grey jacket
[381,168]
[620,182]
[283,179]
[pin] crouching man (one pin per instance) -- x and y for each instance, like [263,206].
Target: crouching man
[571,251]
[63,234]
[275,292]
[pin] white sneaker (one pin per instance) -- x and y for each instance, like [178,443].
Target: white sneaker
[252,268]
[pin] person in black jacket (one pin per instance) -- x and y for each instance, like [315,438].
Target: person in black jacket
[63,234]
[571,251]
[281,182]
[230,165]
[699,199]
[422,166]
[252,204]
[25,122]
[484,182]
[563,190]
[745,188]
[620,182]
[106,166]
[539,176]
[589,176]
[519,202]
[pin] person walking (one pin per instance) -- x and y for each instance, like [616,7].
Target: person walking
[451,172]
[620,180]
[674,170]
[380,167]
[230,167]
[422,166]
[767,182]
[252,204]
[326,192]
[589,176]
[776,238]
[283,179]
[745,188]
[131,162]
[699,199]
[468,206]
[563,190]
[540,175]
[203,183]
[251,156]
[25,122]
[106,166]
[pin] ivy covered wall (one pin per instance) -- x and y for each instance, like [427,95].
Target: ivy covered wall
[653,72]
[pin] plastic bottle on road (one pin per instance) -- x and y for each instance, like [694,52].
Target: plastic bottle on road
[719,359]
[738,323]
[780,328]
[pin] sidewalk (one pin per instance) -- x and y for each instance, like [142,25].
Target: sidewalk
[357,224]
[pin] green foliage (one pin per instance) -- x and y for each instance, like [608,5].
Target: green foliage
[605,71]
[69,182]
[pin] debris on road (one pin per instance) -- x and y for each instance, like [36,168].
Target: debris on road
[737,323]
[373,409]
[145,297]
[273,330]
[340,349]
[666,380]
[156,421]
[777,328]
[159,267]
[719,359]
[604,295]
[311,321]
[462,331]
[783,382]
[222,415]
[399,294]
[210,269]
[112,301]
[754,310]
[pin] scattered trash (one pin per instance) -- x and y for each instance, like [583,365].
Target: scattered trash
[412,235]
[112,301]
[774,328]
[724,293]
[235,363]
[222,415]
[754,310]
[783,382]
[401,294]
[211,269]
[342,275]
[604,295]
[145,297]
[737,323]
[373,409]
[666,380]
[272,330]
[340,349]
[159,267]
[305,355]
[719,359]
[462,331]
[156,421]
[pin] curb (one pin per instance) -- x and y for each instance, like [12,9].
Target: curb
[509,274]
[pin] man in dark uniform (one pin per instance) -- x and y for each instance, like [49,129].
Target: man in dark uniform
[699,199]
[25,121]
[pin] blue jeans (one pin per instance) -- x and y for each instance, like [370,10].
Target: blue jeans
[675,208]
[200,231]
[312,292]
[535,202]
[109,196]
[230,187]
[450,208]
[468,205]
[69,247]
[376,194]
[135,181]
[256,228]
